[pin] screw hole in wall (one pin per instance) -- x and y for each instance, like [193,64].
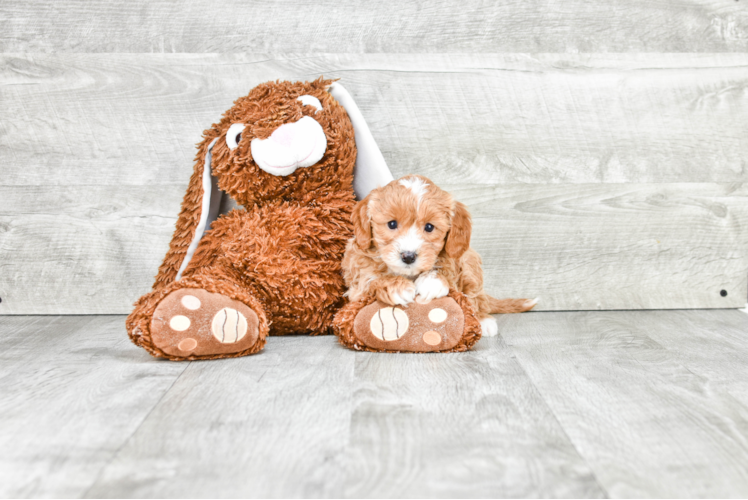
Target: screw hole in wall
[723,293]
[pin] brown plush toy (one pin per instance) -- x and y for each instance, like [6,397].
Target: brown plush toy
[446,324]
[286,152]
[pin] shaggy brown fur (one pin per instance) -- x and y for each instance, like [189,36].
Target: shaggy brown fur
[281,254]
[373,265]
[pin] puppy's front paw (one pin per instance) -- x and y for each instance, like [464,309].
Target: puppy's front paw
[397,292]
[429,286]
[402,295]
[489,327]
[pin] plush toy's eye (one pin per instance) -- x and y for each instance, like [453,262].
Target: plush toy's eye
[309,100]
[234,135]
[392,224]
[429,227]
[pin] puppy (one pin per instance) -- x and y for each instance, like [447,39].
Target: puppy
[412,239]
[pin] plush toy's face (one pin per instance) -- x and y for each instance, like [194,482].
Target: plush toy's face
[283,140]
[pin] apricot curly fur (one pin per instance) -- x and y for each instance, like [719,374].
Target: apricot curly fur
[281,253]
[346,317]
[372,257]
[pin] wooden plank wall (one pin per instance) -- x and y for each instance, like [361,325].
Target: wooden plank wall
[602,148]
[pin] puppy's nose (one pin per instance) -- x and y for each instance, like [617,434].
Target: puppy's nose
[408,257]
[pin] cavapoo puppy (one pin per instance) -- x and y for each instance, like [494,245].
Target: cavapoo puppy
[412,242]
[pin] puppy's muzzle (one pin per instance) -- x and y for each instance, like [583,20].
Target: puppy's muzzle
[408,257]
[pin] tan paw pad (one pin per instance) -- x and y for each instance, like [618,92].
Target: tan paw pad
[389,323]
[437,315]
[195,323]
[191,302]
[187,345]
[179,323]
[229,325]
[436,326]
[432,338]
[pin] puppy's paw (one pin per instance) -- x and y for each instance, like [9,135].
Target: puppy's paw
[403,296]
[489,327]
[400,293]
[430,286]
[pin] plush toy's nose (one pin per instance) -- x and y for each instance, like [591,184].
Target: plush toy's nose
[290,146]
[285,135]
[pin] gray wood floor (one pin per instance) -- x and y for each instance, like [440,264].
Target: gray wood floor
[565,404]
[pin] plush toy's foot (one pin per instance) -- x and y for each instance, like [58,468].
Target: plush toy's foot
[444,324]
[193,323]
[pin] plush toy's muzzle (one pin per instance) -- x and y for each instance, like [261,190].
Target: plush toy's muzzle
[290,146]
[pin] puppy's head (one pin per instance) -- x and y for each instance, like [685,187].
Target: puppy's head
[411,221]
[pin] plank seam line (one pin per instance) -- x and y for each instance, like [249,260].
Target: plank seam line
[555,417]
[145,418]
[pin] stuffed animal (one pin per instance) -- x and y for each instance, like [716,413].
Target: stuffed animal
[286,154]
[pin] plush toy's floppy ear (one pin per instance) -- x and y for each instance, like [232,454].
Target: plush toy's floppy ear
[362,224]
[371,170]
[458,238]
[200,208]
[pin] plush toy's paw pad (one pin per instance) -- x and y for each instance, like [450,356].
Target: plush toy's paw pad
[435,326]
[193,322]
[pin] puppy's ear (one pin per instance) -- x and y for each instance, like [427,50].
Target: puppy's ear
[458,238]
[362,224]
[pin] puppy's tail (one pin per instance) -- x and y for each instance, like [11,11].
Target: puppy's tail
[504,306]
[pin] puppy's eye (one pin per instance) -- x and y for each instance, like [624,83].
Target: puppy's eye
[429,227]
[310,100]
[234,135]
[392,224]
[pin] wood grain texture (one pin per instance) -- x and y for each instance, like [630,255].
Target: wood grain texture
[647,425]
[375,26]
[308,418]
[599,246]
[74,390]
[107,141]
[613,246]
[85,250]
[134,119]
[269,425]
[575,404]
[466,425]
[710,344]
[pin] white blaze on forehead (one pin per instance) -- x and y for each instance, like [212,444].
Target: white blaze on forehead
[416,185]
[410,241]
